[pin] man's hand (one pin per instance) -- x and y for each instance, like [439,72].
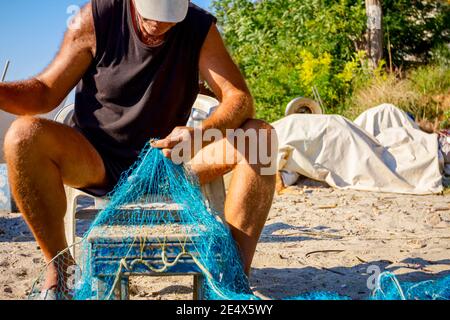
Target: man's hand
[180,146]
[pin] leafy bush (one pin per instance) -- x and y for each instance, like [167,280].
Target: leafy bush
[414,28]
[286,47]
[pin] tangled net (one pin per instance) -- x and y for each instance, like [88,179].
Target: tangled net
[389,288]
[158,220]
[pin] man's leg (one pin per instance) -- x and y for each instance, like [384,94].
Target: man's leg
[250,194]
[42,156]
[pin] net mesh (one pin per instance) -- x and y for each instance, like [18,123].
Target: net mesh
[158,221]
[389,288]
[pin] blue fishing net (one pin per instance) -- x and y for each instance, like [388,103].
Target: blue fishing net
[389,288]
[158,221]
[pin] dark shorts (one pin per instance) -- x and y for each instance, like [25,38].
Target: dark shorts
[114,168]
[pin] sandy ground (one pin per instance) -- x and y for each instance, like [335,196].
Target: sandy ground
[316,239]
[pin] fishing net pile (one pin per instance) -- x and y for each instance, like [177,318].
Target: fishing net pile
[157,219]
[389,288]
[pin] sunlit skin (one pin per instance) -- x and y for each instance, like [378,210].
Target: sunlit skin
[151,32]
[155,29]
[66,157]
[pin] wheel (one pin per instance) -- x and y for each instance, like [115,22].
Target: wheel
[303,106]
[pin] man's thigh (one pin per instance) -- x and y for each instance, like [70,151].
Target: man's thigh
[214,161]
[79,162]
[253,145]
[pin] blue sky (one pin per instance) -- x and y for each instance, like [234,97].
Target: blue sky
[31,32]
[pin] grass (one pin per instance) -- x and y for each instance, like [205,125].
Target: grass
[424,92]
[446,191]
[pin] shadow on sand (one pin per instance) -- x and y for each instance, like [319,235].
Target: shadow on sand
[14,229]
[293,233]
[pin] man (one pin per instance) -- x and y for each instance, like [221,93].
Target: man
[137,66]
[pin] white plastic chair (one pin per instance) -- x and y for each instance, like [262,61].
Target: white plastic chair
[214,192]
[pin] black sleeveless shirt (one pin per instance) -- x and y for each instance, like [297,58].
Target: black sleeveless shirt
[132,92]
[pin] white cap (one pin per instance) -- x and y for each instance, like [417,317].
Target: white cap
[163,10]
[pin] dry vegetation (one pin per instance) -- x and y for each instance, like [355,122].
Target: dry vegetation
[423,92]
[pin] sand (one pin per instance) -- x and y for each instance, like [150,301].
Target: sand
[316,239]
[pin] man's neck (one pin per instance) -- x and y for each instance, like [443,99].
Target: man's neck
[152,41]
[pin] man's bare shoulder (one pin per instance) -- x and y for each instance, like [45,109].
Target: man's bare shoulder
[81,30]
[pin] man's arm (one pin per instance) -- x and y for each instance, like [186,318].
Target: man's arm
[46,91]
[227,83]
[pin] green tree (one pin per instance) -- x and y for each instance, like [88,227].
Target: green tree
[414,28]
[286,47]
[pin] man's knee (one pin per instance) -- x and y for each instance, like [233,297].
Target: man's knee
[263,132]
[24,135]
[262,143]
[256,124]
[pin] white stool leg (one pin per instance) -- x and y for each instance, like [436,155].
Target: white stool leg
[215,194]
[69,218]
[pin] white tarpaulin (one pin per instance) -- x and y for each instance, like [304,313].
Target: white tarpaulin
[383,150]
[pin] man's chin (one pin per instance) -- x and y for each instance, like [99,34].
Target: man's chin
[155,32]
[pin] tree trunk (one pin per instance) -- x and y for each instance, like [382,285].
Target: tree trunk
[374,32]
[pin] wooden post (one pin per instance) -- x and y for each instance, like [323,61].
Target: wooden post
[374,32]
